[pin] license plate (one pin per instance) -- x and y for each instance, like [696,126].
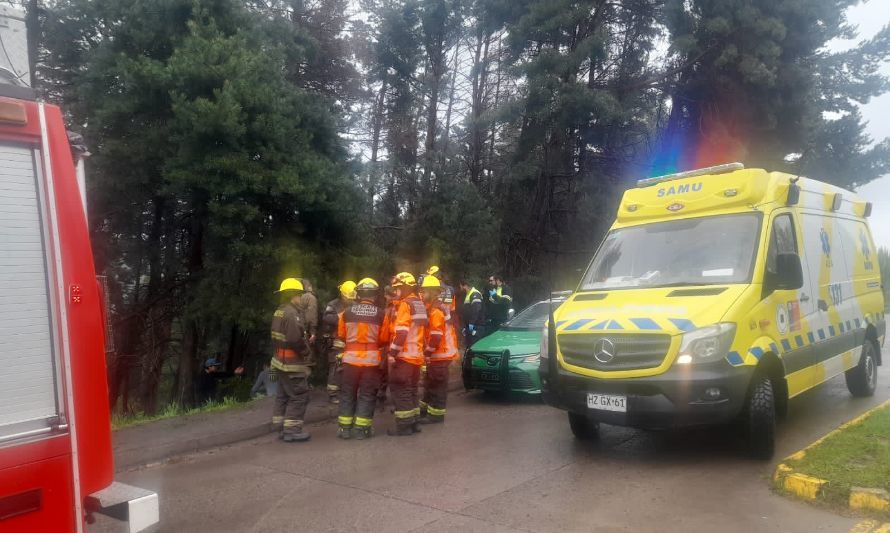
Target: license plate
[607,402]
[489,376]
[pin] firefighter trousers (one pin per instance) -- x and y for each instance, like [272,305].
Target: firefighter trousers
[335,371]
[403,380]
[358,395]
[435,388]
[291,401]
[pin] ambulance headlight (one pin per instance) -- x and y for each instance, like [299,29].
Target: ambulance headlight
[706,344]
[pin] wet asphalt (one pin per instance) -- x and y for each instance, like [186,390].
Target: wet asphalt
[500,464]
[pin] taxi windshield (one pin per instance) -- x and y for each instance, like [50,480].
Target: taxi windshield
[697,251]
[532,317]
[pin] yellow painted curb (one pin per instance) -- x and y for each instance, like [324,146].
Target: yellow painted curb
[804,486]
[800,454]
[871,526]
[871,499]
[810,488]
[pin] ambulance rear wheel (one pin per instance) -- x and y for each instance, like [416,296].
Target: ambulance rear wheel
[582,427]
[862,379]
[760,418]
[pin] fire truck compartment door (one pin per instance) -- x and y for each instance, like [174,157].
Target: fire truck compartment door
[28,386]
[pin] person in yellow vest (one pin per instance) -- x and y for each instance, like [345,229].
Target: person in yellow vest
[440,350]
[291,362]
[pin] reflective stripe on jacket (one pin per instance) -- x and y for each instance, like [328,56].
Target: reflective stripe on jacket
[447,297]
[442,336]
[471,311]
[361,328]
[408,331]
[290,352]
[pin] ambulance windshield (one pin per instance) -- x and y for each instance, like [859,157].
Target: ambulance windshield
[699,251]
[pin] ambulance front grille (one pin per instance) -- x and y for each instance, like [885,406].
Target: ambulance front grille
[630,351]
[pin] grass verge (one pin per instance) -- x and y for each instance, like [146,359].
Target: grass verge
[173,410]
[857,456]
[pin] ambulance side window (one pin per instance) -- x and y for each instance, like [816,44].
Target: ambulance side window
[781,241]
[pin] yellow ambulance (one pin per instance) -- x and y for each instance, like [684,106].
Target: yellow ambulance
[717,295]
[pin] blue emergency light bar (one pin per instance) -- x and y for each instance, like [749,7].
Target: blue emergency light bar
[719,169]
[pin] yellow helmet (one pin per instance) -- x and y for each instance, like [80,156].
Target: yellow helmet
[290,284]
[431,282]
[404,279]
[347,290]
[433,271]
[367,284]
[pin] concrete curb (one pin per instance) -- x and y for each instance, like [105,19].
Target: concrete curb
[811,488]
[147,456]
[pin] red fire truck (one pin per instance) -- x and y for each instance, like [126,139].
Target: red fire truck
[56,465]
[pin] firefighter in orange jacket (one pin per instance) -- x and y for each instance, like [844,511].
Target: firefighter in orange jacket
[361,329]
[447,295]
[291,361]
[408,333]
[441,349]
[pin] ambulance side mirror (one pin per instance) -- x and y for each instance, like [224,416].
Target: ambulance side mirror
[788,274]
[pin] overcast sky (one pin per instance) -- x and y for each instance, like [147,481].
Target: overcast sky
[871,16]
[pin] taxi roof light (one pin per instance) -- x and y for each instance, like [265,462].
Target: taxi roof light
[719,169]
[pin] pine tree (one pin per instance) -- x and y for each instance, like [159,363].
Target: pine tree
[754,84]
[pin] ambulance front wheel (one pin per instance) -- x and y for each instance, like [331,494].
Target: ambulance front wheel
[760,418]
[862,379]
[582,427]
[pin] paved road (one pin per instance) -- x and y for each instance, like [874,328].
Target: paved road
[499,466]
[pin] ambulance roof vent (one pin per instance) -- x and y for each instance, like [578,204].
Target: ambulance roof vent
[719,169]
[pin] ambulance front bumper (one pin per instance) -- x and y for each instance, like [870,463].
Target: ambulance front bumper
[693,395]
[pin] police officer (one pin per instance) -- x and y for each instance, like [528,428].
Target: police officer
[333,346]
[361,328]
[291,361]
[497,303]
[471,317]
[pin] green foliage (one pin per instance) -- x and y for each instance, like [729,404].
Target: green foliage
[755,84]
[175,410]
[857,456]
[237,143]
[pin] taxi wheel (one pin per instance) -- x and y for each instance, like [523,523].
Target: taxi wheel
[862,379]
[760,418]
[582,427]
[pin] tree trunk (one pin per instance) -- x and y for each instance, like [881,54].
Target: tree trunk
[377,125]
[188,358]
[477,133]
[447,132]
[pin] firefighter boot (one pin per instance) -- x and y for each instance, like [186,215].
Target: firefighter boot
[345,432]
[362,433]
[415,427]
[401,430]
[431,419]
[297,436]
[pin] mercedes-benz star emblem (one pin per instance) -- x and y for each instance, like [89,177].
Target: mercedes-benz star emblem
[604,350]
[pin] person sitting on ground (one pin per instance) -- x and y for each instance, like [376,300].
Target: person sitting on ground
[208,380]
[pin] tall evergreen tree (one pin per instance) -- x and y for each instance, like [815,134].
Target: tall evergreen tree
[754,83]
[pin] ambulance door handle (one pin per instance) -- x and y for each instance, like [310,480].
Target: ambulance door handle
[823,305]
[804,298]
